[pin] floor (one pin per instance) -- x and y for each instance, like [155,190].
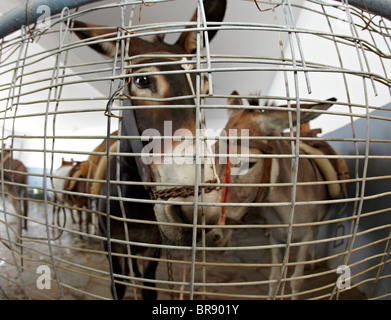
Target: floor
[78,263]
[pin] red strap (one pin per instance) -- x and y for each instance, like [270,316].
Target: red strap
[226,179]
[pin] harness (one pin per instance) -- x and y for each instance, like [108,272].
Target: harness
[263,191]
[73,173]
[331,169]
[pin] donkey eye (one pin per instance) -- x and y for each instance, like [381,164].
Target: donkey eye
[142,82]
[251,164]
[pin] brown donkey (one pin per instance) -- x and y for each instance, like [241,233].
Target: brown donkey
[159,77]
[15,184]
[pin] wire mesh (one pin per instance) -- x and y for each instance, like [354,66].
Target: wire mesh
[58,102]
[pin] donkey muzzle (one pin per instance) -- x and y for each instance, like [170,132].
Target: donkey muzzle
[180,219]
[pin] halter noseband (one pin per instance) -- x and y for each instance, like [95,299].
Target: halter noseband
[263,191]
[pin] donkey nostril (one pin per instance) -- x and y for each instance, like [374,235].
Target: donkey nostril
[217,237]
[187,214]
[208,216]
[177,214]
[184,213]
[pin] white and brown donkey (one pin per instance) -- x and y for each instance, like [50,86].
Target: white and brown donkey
[266,122]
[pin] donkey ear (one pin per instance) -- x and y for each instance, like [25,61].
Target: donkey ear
[281,118]
[234,101]
[308,116]
[214,11]
[92,30]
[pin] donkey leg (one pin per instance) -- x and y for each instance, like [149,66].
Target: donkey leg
[18,210]
[120,266]
[150,273]
[87,221]
[25,207]
[72,216]
[81,223]
[118,269]
[80,214]
[302,254]
[275,269]
[25,213]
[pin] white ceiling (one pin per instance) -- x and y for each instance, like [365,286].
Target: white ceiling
[226,42]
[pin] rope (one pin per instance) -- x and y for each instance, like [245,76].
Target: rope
[185,191]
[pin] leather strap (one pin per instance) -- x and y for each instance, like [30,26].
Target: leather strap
[262,191]
[137,146]
[267,169]
[132,130]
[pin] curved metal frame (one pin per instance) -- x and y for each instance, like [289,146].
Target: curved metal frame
[258,65]
[14,19]
[379,7]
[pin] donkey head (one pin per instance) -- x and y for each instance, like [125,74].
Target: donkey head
[266,122]
[159,79]
[261,122]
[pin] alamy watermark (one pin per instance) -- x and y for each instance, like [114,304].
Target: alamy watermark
[44,280]
[343,281]
[43,21]
[179,147]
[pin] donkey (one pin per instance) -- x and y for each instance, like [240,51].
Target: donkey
[15,172]
[95,166]
[271,123]
[158,74]
[60,183]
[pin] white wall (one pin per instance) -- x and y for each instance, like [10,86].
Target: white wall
[374,228]
[323,51]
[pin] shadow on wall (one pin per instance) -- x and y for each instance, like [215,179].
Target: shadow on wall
[379,204]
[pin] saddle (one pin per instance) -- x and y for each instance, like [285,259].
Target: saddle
[73,173]
[331,169]
[95,166]
[100,171]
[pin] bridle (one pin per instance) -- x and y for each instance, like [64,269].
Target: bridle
[263,191]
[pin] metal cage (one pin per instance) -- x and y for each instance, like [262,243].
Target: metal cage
[59,101]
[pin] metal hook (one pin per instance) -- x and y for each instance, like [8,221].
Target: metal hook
[63,32]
